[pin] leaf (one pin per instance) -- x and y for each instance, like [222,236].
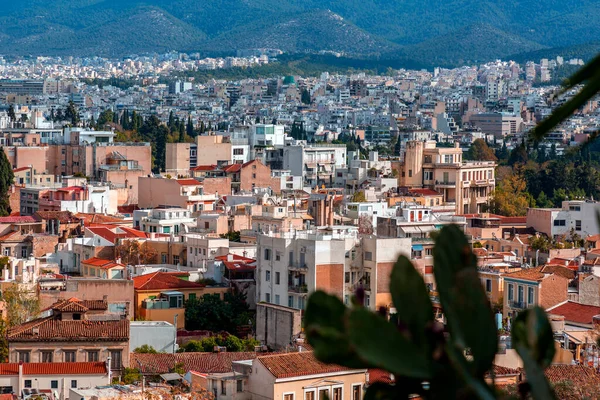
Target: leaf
[584,73]
[324,322]
[478,385]
[382,391]
[532,331]
[566,110]
[539,385]
[411,299]
[464,302]
[380,344]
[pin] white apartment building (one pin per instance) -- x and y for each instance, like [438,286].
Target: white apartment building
[316,164]
[202,251]
[578,216]
[164,220]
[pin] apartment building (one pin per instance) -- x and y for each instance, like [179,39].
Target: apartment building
[164,220]
[533,286]
[498,124]
[578,216]
[466,185]
[316,164]
[183,193]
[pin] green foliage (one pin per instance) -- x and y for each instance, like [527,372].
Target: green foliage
[145,349]
[216,315]
[413,347]
[22,304]
[359,197]
[233,236]
[178,368]
[231,342]
[480,151]
[131,375]
[7,178]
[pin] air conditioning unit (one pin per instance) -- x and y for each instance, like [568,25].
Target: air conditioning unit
[220,349]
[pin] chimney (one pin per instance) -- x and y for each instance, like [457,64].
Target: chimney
[20,384]
[229,257]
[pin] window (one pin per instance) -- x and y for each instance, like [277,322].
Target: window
[69,356]
[253,176]
[323,394]
[92,355]
[560,222]
[267,254]
[356,392]
[277,299]
[238,152]
[24,356]
[347,277]
[223,387]
[268,276]
[268,297]
[240,385]
[176,260]
[115,359]
[368,256]
[367,300]
[520,294]
[73,384]
[7,251]
[337,393]
[488,285]
[511,293]
[28,383]
[578,225]
[288,396]
[309,395]
[277,256]
[53,384]
[24,249]
[291,301]
[277,278]
[47,356]
[410,173]
[530,295]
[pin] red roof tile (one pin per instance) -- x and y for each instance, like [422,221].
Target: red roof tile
[21,169]
[235,257]
[101,263]
[205,168]
[559,270]
[59,368]
[55,330]
[162,281]
[424,192]
[188,182]
[239,266]
[62,216]
[200,362]
[576,312]
[576,374]
[381,376]
[18,220]
[232,168]
[290,365]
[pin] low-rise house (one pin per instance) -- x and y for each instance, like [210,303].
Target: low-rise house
[31,379]
[160,296]
[102,268]
[72,332]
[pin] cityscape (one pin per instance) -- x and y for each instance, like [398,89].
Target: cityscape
[266,221]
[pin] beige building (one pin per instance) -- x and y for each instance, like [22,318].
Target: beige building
[184,193]
[180,157]
[467,185]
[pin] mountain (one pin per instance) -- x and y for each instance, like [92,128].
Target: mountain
[472,44]
[313,31]
[447,30]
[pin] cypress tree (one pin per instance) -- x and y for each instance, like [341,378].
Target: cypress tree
[6,180]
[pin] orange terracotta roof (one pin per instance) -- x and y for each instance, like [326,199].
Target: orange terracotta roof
[575,312]
[559,270]
[239,266]
[54,330]
[424,192]
[529,274]
[21,169]
[290,365]
[89,219]
[593,238]
[18,220]
[380,376]
[205,168]
[162,281]
[235,257]
[232,168]
[161,363]
[576,374]
[58,368]
[73,303]
[101,263]
[62,216]
[188,182]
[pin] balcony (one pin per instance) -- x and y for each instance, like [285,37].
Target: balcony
[298,267]
[445,184]
[298,289]
[518,305]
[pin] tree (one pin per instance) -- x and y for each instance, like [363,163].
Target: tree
[22,304]
[105,117]
[480,151]
[543,201]
[190,127]
[305,97]
[131,375]
[233,236]
[510,198]
[11,113]
[7,178]
[145,349]
[213,314]
[132,251]
[72,114]
[359,197]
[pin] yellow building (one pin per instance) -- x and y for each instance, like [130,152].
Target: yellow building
[160,296]
[100,268]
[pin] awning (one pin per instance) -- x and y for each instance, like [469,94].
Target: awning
[417,247]
[410,229]
[427,228]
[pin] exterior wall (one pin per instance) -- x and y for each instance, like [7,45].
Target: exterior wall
[497,283]
[59,347]
[24,156]
[212,150]
[125,179]
[300,386]
[222,186]
[589,290]
[277,326]
[330,278]
[165,315]
[178,158]
[256,174]
[118,293]
[43,245]
[541,219]
[44,382]
[154,192]
[554,290]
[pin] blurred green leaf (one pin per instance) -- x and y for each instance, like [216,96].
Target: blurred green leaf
[382,391]
[532,332]
[380,344]
[325,330]
[411,299]
[560,114]
[539,385]
[583,74]
[477,385]
[464,302]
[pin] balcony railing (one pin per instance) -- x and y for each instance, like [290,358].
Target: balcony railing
[520,305]
[298,267]
[298,289]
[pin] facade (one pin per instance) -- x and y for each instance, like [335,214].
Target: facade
[164,220]
[75,331]
[316,164]
[182,193]
[498,124]
[578,216]
[103,269]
